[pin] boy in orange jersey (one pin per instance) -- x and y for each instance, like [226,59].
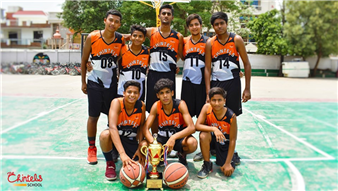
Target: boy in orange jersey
[126,117]
[222,58]
[175,125]
[218,127]
[103,47]
[134,60]
[193,85]
[165,49]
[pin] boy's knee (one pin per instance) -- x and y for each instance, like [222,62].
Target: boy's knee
[105,136]
[205,136]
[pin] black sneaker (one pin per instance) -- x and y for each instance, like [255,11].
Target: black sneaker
[182,159]
[198,157]
[161,163]
[236,159]
[115,155]
[206,169]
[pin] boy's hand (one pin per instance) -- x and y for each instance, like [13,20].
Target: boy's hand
[170,144]
[227,169]
[219,135]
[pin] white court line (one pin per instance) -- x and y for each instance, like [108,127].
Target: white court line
[169,159]
[37,116]
[291,135]
[299,178]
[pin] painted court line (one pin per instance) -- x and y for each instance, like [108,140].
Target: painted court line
[291,135]
[299,178]
[170,159]
[37,116]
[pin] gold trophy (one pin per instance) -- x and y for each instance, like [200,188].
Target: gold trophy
[154,152]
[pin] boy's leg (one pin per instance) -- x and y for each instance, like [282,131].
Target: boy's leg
[185,146]
[205,140]
[107,148]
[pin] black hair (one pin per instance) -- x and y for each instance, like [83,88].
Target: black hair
[163,83]
[219,15]
[192,17]
[114,12]
[167,6]
[217,91]
[132,83]
[138,28]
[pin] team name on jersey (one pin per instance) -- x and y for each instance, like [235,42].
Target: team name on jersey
[226,51]
[106,51]
[195,49]
[137,62]
[164,44]
[129,123]
[169,123]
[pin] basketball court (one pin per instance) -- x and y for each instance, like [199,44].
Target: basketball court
[287,137]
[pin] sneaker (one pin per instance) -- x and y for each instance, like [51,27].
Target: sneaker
[182,159]
[236,159]
[206,169]
[173,154]
[110,171]
[92,158]
[161,163]
[115,155]
[198,157]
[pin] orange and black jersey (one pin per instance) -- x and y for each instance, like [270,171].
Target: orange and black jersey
[103,58]
[222,124]
[172,123]
[133,67]
[194,63]
[225,60]
[163,51]
[127,125]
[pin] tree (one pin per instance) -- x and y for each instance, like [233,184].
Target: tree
[86,16]
[267,30]
[311,28]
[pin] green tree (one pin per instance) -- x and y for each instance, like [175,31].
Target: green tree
[267,30]
[86,16]
[311,28]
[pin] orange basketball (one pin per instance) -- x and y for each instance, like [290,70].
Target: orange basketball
[175,175]
[133,177]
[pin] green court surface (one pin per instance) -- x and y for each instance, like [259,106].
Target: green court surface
[282,145]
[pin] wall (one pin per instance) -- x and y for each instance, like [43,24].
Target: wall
[63,56]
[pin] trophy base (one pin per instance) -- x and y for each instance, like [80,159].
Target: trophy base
[156,184]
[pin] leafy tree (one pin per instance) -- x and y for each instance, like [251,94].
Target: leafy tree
[267,30]
[86,16]
[311,28]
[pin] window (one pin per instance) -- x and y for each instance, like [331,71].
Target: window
[37,36]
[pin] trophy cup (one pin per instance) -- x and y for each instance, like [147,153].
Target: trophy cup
[153,153]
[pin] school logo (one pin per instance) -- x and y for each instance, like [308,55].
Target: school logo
[24,180]
[41,58]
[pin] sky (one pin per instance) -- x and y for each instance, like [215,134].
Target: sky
[34,5]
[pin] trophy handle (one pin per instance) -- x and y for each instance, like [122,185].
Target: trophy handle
[143,151]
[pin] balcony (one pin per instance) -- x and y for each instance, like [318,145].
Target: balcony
[23,24]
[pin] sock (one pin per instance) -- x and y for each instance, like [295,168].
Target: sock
[108,155]
[91,141]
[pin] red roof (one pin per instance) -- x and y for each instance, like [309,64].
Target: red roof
[30,13]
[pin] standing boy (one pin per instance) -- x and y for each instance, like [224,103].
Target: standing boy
[218,127]
[134,60]
[103,47]
[126,117]
[175,125]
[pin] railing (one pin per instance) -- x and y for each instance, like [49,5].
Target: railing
[17,23]
[39,43]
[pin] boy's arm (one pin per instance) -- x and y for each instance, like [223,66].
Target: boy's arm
[227,168]
[140,136]
[85,55]
[114,111]
[207,69]
[247,67]
[149,122]
[180,48]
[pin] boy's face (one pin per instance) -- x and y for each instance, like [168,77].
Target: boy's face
[166,16]
[131,94]
[194,27]
[112,23]
[217,102]
[165,95]
[137,37]
[220,26]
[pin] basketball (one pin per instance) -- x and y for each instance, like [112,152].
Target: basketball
[175,175]
[133,177]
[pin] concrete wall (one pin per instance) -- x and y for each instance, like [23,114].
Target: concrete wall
[257,61]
